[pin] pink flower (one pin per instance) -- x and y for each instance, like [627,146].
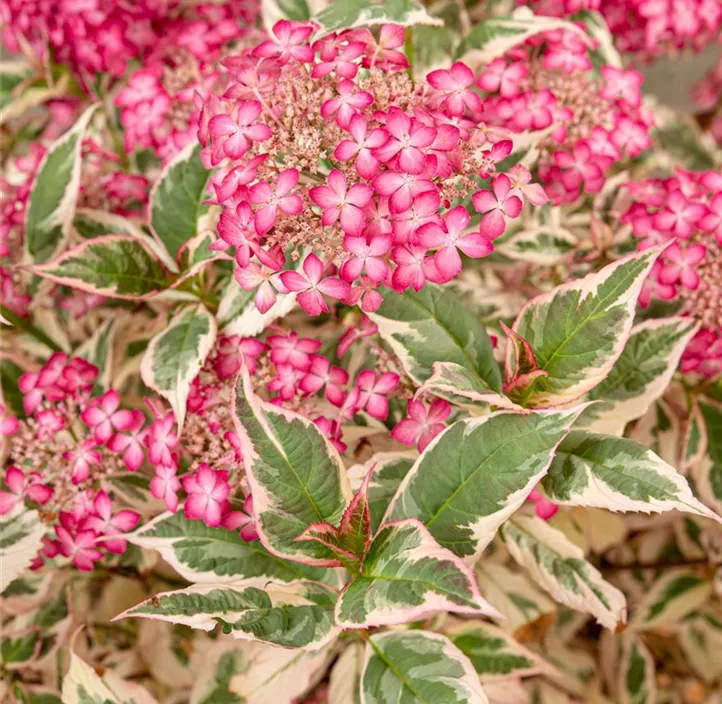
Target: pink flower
[286,381]
[454,87]
[20,487]
[581,165]
[207,495]
[233,135]
[712,221]
[291,43]
[340,202]
[450,238]
[361,146]
[401,188]
[102,415]
[131,443]
[82,458]
[498,76]
[408,140]
[543,508]
[683,265]
[347,104]
[321,374]
[294,350]
[76,543]
[234,350]
[422,424]
[680,217]
[369,393]
[105,523]
[622,85]
[8,424]
[413,268]
[424,209]
[367,255]
[238,230]
[391,37]
[496,206]
[275,200]
[630,135]
[535,111]
[311,288]
[165,485]
[244,520]
[266,281]
[520,178]
[339,62]
[367,329]
[49,423]
[160,440]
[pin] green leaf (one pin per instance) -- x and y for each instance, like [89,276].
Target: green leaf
[432,325]
[21,534]
[542,245]
[463,388]
[98,350]
[390,468]
[495,460]
[296,476]
[640,375]
[681,137]
[603,471]
[578,330]
[364,13]
[408,576]
[494,653]
[175,356]
[492,38]
[557,565]
[299,615]
[700,636]
[274,10]
[217,555]
[12,74]
[176,199]
[418,667]
[238,315]
[675,594]
[117,266]
[17,648]
[708,473]
[10,374]
[636,679]
[51,205]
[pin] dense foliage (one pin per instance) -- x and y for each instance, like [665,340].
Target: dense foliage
[357,353]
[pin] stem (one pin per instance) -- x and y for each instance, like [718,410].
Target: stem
[409,49]
[26,325]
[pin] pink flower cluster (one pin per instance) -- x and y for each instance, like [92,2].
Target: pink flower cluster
[548,83]
[686,212]
[364,179]
[647,27]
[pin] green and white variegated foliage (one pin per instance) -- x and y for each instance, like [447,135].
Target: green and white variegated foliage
[578,330]
[295,615]
[364,13]
[407,576]
[496,459]
[175,356]
[559,566]
[418,667]
[296,476]
[708,471]
[21,535]
[636,679]
[617,474]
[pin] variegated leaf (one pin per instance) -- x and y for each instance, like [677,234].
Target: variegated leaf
[274,10]
[463,388]
[675,594]
[98,350]
[596,27]
[176,199]
[416,667]
[494,653]
[364,13]
[344,682]
[708,472]
[390,468]
[700,636]
[497,461]
[297,615]
[296,476]
[432,325]
[558,565]
[238,315]
[545,246]
[117,266]
[51,206]
[578,330]
[406,576]
[636,679]
[216,555]
[175,356]
[492,38]
[640,375]
[513,595]
[694,443]
[81,685]
[20,539]
[604,471]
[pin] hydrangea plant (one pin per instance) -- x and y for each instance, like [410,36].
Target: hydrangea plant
[358,352]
